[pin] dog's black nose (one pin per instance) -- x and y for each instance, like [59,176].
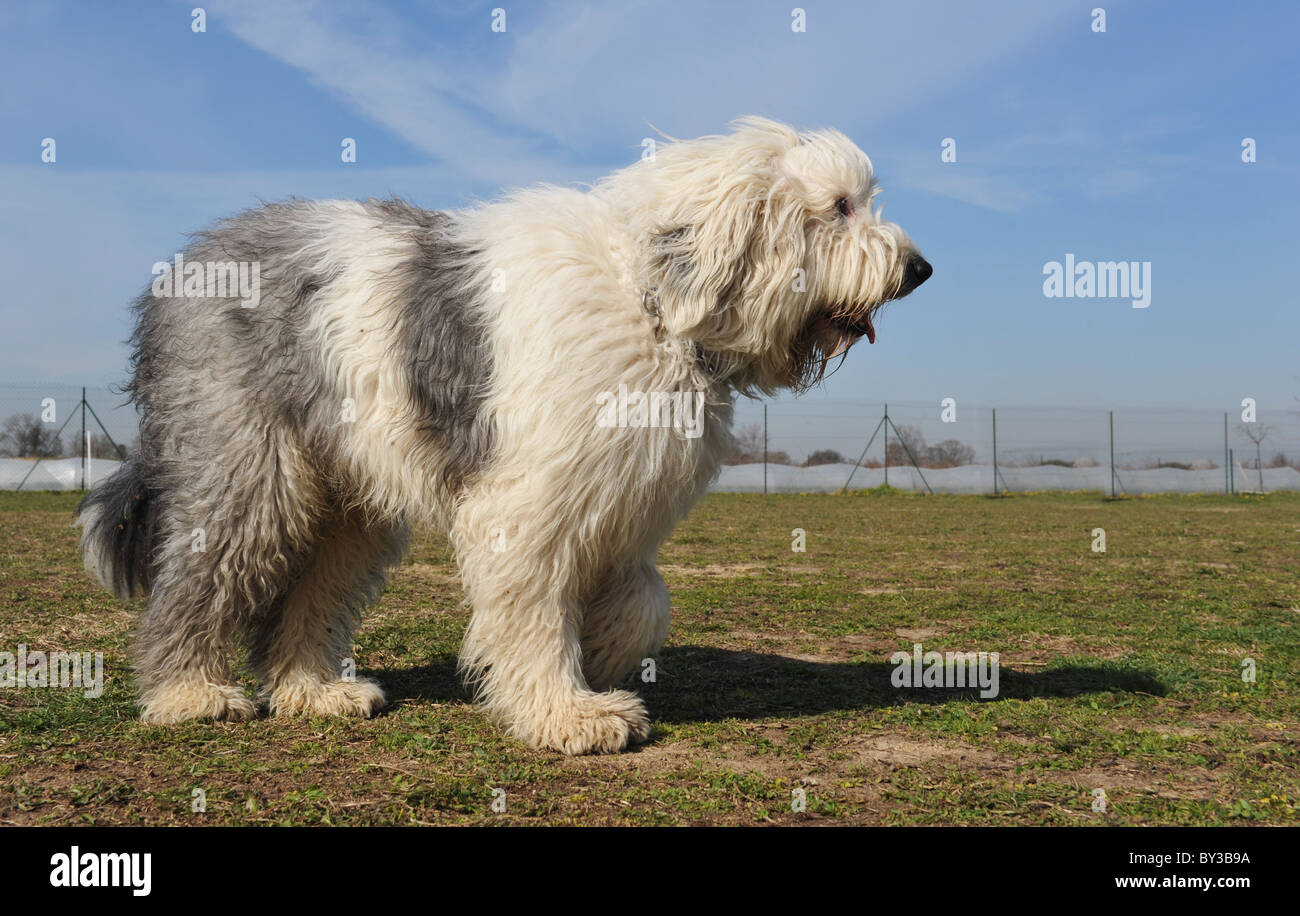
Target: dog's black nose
[918,270]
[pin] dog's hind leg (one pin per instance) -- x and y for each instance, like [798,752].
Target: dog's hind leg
[624,625]
[299,649]
[189,627]
[522,652]
[231,533]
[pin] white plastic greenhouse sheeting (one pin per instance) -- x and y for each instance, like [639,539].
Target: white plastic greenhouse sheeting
[65,474]
[748,478]
[52,474]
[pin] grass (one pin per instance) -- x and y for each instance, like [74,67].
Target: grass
[1120,671]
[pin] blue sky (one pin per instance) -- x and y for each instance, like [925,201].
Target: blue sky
[1117,146]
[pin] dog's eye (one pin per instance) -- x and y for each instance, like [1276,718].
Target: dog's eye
[844,207]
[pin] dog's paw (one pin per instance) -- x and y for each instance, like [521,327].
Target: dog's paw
[180,701]
[598,723]
[309,697]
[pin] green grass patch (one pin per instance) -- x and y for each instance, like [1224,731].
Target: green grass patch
[1120,673]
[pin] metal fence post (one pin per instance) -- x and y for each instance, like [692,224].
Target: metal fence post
[764,449]
[85,447]
[886,422]
[1227,483]
[995,451]
[857,464]
[916,465]
[1112,454]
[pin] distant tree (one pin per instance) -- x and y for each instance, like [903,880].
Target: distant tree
[911,437]
[949,454]
[1257,433]
[747,448]
[102,447]
[25,436]
[824,456]
[748,445]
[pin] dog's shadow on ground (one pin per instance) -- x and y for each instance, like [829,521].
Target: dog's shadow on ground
[436,682]
[700,684]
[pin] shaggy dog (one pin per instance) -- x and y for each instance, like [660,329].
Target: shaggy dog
[548,378]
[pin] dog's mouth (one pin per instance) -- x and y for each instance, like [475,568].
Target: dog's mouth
[839,327]
[830,334]
[854,328]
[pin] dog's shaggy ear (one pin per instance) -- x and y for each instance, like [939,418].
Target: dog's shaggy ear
[704,261]
[671,257]
[718,228]
[733,234]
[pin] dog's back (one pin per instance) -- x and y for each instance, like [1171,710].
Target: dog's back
[347,330]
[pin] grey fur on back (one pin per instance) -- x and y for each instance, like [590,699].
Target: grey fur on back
[208,372]
[447,358]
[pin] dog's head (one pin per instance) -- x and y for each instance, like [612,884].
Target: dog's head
[763,247]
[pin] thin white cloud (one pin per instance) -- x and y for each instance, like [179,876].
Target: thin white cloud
[361,56]
[569,81]
[690,67]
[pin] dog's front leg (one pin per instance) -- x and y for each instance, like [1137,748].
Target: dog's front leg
[625,624]
[522,652]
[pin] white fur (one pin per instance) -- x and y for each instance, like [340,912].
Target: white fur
[573,602]
[724,265]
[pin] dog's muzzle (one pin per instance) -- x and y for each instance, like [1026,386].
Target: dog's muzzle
[917,271]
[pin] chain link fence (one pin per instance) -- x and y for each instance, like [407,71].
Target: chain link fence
[815,445]
[48,441]
[951,447]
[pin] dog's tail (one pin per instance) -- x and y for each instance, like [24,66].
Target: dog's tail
[117,531]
